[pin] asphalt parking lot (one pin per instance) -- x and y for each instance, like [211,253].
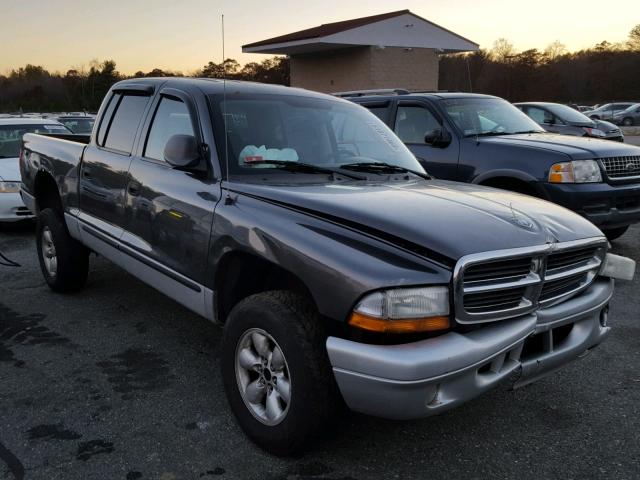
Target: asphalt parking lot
[119,382]
[633,140]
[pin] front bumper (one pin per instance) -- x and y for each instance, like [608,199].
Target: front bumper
[430,376]
[602,204]
[12,208]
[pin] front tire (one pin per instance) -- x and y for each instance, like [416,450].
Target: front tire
[627,122]
[64,261]
[614,233]
[276,371]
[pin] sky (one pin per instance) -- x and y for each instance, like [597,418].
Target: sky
[183,35]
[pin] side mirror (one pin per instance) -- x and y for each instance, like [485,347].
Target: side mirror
[438,137]
[181,151]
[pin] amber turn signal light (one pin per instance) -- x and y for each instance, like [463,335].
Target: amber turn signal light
[408,325]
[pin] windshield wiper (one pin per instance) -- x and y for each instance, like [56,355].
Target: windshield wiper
[487,134]
[291,166]
[380,167]
[530,131]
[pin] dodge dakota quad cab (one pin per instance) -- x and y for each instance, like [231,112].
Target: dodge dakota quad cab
[340,271]
[485,140]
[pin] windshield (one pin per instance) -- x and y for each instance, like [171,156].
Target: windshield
[488,116]
[78,125]
[568,114]
[11,136]
[263,130]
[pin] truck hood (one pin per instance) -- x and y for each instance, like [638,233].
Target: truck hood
[9,169]
[445,219]
[577,148]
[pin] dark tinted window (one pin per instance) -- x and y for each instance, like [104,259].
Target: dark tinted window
[108,112]
[171,118]
[381,112]
[125,122]
[413,122]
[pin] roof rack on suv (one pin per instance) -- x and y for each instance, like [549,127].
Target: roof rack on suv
[384,91]
[379,91]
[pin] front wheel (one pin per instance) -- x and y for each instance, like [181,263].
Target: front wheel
[64,261]
[627,122]
[276,371]
[613,233]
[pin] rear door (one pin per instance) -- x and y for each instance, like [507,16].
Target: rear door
[170,210]
[105,165]
[411,122]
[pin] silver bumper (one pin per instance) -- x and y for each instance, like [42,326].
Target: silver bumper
[12,208]
[430,376]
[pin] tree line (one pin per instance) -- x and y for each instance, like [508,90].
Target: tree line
[606,72]
[602,73]
[33,89]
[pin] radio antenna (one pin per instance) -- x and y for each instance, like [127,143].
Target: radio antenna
[228,199]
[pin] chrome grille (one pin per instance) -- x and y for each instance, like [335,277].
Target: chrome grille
[622,167]
[504,284]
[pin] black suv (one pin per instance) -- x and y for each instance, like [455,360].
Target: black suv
[485,140]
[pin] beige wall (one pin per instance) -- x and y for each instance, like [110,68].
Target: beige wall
[366,68]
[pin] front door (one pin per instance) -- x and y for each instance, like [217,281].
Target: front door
[171,210]
[412,122]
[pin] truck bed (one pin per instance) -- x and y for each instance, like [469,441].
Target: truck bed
[58,154]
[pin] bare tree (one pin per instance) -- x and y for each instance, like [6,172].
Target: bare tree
[502,49]
[554,50]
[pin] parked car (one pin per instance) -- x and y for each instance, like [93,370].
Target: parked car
[82,124]
[557,118]
[607,111]
[12,207]
[485,140]
[628,117]
[337,266]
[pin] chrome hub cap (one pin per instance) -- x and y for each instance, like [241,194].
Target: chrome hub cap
[49,252]
[263,376]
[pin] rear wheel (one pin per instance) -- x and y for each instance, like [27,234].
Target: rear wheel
[613,233]
[64,261]
[627,122]
[276,371]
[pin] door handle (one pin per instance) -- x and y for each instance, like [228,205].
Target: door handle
[134,189]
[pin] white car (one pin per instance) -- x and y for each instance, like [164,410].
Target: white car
[12,209]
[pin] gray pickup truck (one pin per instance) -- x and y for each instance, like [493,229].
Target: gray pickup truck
[341,272]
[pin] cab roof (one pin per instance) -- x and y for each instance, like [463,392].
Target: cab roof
[213,86]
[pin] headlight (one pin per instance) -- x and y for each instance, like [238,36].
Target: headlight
[9,187]
[594,132]
[578,171]
[403,310]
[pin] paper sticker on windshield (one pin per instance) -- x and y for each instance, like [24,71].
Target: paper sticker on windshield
[386,135]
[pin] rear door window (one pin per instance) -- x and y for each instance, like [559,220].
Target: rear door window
[171,118]
[106,117]
[123,127]
[413,122]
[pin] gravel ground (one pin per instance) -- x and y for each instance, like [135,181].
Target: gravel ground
[119,382]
